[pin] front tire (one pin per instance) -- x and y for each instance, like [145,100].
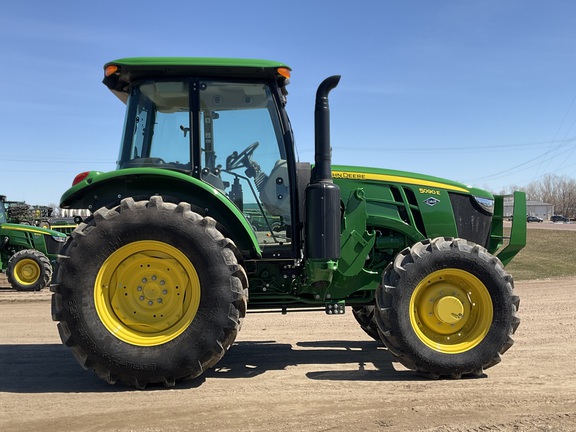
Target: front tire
[446,308]
[364,315]
[149,292]
[29,270]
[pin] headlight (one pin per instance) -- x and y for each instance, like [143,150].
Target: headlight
[59,239]
[486,204]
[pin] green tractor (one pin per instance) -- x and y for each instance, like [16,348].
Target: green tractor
[27,253]
[154,285]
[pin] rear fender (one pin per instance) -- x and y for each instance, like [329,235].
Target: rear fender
[107,189]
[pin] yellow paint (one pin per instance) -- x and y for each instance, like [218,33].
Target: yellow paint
[347,175]
[147,293]
[26,228]
[451,311]
[27,272]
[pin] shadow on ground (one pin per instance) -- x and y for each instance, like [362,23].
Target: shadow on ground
[48,368]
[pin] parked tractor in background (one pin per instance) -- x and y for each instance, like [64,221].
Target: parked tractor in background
[27,253]
[64,225]
[19,212]
[209,214]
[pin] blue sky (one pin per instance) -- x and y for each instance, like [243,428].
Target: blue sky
[483,92]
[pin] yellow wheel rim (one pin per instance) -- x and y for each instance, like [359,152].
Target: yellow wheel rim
[451,311]
[27,271]
[147,293]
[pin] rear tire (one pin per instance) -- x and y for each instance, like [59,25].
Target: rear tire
[149,292]
[29,270]
[446,308]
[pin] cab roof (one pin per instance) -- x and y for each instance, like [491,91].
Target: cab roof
[119,74]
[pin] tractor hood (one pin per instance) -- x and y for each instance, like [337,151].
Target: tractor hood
[31,229]
[363,174]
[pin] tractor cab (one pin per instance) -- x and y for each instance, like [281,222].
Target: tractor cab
[229,133]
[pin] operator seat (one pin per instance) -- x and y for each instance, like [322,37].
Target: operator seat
[275,192]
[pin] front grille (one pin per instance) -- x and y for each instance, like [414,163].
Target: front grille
[64,229]
[415,210]
[52,246]
[471,221]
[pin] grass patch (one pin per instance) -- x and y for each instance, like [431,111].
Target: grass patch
[548,254]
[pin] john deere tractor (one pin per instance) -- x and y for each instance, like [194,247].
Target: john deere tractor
[154,285]
[27,253]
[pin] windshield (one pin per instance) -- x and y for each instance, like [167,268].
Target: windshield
[238,141]
[157,126]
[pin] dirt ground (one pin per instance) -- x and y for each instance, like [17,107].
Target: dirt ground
[301,371]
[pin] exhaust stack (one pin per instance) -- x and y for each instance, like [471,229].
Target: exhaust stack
[323,151]
[322,195]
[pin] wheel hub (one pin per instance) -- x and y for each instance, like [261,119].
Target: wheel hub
[149,299]
[152,290]
[449,310]
[27,271]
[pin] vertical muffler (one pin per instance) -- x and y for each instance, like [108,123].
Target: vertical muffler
[322,195]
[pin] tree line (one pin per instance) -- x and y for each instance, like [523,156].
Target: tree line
[560,191]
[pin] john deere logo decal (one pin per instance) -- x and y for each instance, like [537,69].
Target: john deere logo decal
[431,201]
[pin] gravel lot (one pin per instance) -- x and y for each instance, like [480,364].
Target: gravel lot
[300,371]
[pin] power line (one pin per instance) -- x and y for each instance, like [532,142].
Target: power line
[434,149]
[50,160]
[550,149]
[540,158]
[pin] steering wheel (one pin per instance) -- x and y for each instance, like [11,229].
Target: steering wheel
[237,160]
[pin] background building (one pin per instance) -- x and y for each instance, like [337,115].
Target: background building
[533,208]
